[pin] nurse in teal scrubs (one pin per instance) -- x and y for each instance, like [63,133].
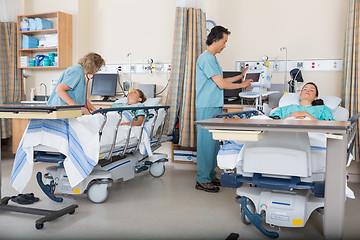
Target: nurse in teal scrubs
[209,101]
[72,85]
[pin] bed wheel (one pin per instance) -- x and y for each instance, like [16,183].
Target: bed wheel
[39,226]
[157,169]
[251,207]
[97,192]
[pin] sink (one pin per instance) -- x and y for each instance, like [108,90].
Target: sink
[34,102]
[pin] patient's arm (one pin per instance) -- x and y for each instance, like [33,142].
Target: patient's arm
[138,122]
[301,115]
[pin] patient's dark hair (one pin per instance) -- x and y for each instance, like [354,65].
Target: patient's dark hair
[216,34]
[316,102]
[141,94]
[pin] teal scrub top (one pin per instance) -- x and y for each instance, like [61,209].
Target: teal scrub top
[74,77]
[208,94]
[138,113]
[320,112]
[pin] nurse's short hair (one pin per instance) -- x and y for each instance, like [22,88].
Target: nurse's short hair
[216,34]
[92,62]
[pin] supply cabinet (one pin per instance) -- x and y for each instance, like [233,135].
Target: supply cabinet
[60,34]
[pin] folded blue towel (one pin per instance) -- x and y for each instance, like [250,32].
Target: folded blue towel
[29,42]
[43,24]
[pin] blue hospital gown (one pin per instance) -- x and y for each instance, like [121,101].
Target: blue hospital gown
[320,112]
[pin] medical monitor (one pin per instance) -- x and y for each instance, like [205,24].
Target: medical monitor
[231,96]
[252,75]
[104,85]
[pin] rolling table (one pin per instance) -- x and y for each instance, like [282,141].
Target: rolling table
[37,112]
[338,134]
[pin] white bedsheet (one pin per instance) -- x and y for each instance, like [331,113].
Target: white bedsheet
[76,138]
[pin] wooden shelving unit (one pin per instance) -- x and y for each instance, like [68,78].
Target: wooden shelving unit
[62,25]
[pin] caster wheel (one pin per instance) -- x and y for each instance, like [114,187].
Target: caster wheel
[39,225]
[251,207]
[97,192]
[157,169]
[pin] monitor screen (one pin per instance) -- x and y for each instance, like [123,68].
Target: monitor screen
[104,85]
[231,95]
[254,76]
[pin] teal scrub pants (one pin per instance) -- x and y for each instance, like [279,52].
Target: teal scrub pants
[207,147]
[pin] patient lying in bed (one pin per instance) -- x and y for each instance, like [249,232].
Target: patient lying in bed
[310,106]
[135,98]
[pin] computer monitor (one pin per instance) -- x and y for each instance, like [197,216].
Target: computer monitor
[104,85]
[231,96]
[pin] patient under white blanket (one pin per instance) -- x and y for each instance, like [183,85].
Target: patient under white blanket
[76,138]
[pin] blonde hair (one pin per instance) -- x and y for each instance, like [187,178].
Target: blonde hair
[92,62]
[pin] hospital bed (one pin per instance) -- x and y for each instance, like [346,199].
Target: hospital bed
[93,151]
[275,171]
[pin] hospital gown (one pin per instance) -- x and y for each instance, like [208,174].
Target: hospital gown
[320,112]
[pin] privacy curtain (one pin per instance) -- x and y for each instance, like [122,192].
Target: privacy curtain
[350,91]
[189,43]
[11,87]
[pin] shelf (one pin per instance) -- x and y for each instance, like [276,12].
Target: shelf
[42,67]
[62,25]
[39,49]
[44,31]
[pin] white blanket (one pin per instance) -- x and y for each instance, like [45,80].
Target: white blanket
[76,138]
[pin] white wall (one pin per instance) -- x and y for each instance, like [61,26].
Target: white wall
[309,29]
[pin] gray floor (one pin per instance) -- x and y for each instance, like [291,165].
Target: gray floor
[152,208]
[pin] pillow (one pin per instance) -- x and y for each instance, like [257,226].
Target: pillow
[289,99]
[152,101]
[148,102]
[331,102]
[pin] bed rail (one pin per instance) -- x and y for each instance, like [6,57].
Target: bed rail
[150,111]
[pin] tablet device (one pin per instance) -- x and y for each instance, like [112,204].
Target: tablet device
[252,75]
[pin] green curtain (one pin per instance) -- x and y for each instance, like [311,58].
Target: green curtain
[11,85]
[351,74]
[189,43]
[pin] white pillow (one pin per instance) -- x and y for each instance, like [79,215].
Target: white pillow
[331,102]
[148,102]
[152,101]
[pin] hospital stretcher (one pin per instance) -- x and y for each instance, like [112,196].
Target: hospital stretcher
[120,155]
[43,112]
[288,199]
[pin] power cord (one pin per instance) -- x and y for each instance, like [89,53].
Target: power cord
[167,84]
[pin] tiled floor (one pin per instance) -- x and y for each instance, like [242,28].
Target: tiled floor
[152,208]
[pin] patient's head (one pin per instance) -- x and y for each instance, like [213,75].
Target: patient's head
[136,96]
[309,94]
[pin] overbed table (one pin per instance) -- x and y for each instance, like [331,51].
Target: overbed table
[37,112]
[337,133]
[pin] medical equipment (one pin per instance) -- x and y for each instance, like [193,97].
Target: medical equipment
[104,85]
[296,76]
[37,111]
[124,152]
[231,96]
[261,76]
[283,206]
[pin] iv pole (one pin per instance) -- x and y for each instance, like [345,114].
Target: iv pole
[285,69]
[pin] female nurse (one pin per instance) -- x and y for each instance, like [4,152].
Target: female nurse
[71,88]
[209,101]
